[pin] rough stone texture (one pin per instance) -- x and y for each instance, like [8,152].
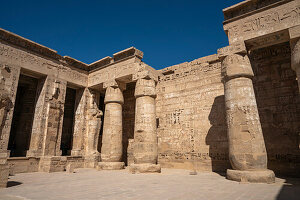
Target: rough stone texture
[112,148]
[52,164]
[262,176]
[145,136]
[110,165]
[278,103]
[247,151]
[145,168]
[23,165]
[191,116]
[4,173]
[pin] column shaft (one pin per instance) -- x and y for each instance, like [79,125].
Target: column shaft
[145,135]
[111,150]
[247,151]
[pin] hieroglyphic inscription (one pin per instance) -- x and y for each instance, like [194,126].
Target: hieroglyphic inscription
[269,21]
[190,108]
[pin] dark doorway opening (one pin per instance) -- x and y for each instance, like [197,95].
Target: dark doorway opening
[23,115]
[68,123]
[101,107]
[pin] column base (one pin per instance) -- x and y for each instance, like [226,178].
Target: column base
[258,176]
[4,173]
[145,168]
[110,165]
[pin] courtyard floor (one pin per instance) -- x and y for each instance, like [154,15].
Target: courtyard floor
[170,184]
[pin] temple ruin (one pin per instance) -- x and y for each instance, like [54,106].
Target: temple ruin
[237,111]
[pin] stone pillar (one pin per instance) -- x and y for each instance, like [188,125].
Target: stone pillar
[295,58]
[9,77]
[145,136]
[94,125]
[247,151]
[111,150]
[80,122]
[48,118]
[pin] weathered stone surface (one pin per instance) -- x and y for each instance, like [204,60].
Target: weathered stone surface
[236,109]
[4,173]
[263,176]
[110,165]
[112,148]
[52,164]
[247,149]
[145,168]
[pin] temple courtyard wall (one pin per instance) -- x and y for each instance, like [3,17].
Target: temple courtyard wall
[236,111]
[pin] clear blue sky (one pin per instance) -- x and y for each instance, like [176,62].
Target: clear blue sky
[169,32]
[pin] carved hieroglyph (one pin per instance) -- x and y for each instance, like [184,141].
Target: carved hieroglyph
[247,151]
[145,136]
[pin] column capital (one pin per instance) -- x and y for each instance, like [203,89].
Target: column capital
[235,65]
[113,95]
[114,84]
[145,87]
[235,48]
[295,54]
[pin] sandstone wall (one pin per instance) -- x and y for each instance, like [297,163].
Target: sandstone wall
[191,116]
[278,104]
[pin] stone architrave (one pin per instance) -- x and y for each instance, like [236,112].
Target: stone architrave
[247,151]
[94,124]
[111,150]
[145,137]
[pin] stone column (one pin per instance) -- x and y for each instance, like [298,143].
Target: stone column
[94,125]
[9,77]
[111,150]
[145,136]
[295,58]
[247,151]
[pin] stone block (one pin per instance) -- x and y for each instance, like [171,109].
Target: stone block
[53,164]
[256,176]
[145,168]
[4,173]
[110,165]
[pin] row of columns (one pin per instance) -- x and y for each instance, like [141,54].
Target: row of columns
[145,136]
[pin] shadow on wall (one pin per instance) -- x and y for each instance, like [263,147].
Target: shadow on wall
[217,136]
[290,190]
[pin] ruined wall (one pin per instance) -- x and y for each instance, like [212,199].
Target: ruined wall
[191,117]
[278,104]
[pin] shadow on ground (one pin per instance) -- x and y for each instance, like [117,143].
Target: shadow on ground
[290,190]
[13,183]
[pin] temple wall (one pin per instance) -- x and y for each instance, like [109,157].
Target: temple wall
[278,104]
[191,117]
